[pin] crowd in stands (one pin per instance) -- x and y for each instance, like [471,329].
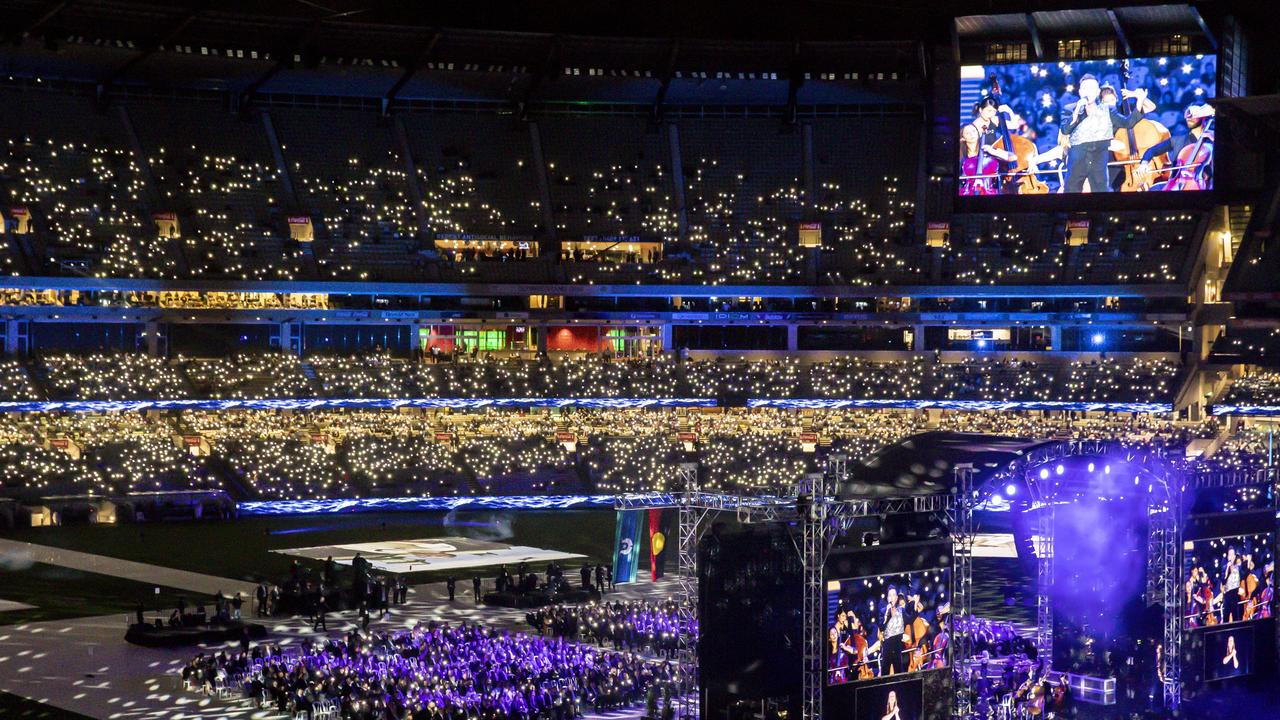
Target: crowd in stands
[1259,386]
[437,671]
[349,453]
[93,181]
[636,625]
[119,376]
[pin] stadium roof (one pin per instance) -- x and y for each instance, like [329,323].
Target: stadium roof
[924,464]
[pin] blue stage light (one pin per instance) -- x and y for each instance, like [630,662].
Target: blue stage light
[1010,489]
[1098,338]
[982,344]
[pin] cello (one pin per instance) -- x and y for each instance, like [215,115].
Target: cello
[1193,161]
[1130,144]
[1018,178]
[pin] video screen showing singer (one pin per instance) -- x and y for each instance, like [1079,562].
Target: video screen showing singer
[1087,126]
[1087,130]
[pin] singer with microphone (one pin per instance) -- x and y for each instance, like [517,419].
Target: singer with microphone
[1087,130]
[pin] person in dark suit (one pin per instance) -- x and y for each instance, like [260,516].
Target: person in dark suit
[452,584]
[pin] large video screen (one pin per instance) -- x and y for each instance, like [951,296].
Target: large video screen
[1229,579]
[1228,653]
[901,700]
[888,625]
[1087,126]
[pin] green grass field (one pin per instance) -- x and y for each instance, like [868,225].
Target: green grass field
[242,549]
[59,593]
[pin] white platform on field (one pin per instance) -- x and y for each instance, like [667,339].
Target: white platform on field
[431,554]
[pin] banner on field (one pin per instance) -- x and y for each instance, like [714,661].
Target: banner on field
[657,543]
[626,546]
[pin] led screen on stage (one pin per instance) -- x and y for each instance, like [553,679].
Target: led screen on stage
[1137,125]
[900,700]
[888,625]
[1228,579]
[1228,653]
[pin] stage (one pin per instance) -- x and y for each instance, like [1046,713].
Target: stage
[432,554]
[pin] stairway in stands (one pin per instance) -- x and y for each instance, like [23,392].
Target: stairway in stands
[313,379]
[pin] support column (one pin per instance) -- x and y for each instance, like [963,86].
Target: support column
[544,193]
[151,335]
[677,181]
[667,337]
[277,154]
[411,179]
[917,338]
[806,160]
[1055,337]
[793,338]
[542,339]
[11,338]
[415,340]
[291,337]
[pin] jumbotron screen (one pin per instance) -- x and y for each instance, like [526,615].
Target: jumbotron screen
[1228,579]
[888,625]
[1087,126]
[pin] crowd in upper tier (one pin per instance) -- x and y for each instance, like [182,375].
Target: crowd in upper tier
[92,184]
[1257,387]
[270,455]
[124,376]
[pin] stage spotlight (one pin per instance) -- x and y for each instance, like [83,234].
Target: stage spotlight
[1060,469]
[1090,467]
[1098,338]
[1044,473]
[982,344]
[1106,469]
[1010,489]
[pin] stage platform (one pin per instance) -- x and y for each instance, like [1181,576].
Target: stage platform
[433,554]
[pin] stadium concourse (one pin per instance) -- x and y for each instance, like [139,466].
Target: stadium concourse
[861,361]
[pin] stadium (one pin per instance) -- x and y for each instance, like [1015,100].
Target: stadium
[846,360]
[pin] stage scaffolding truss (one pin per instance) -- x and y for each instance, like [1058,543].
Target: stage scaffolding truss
[812,503]
[1164,512]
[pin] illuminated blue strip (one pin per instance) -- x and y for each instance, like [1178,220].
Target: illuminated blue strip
[99,406]
[1273,410]
[484,502]
[975,405]
[349,403]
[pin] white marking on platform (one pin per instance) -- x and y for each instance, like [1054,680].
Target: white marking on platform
[430,554]
[7,605]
